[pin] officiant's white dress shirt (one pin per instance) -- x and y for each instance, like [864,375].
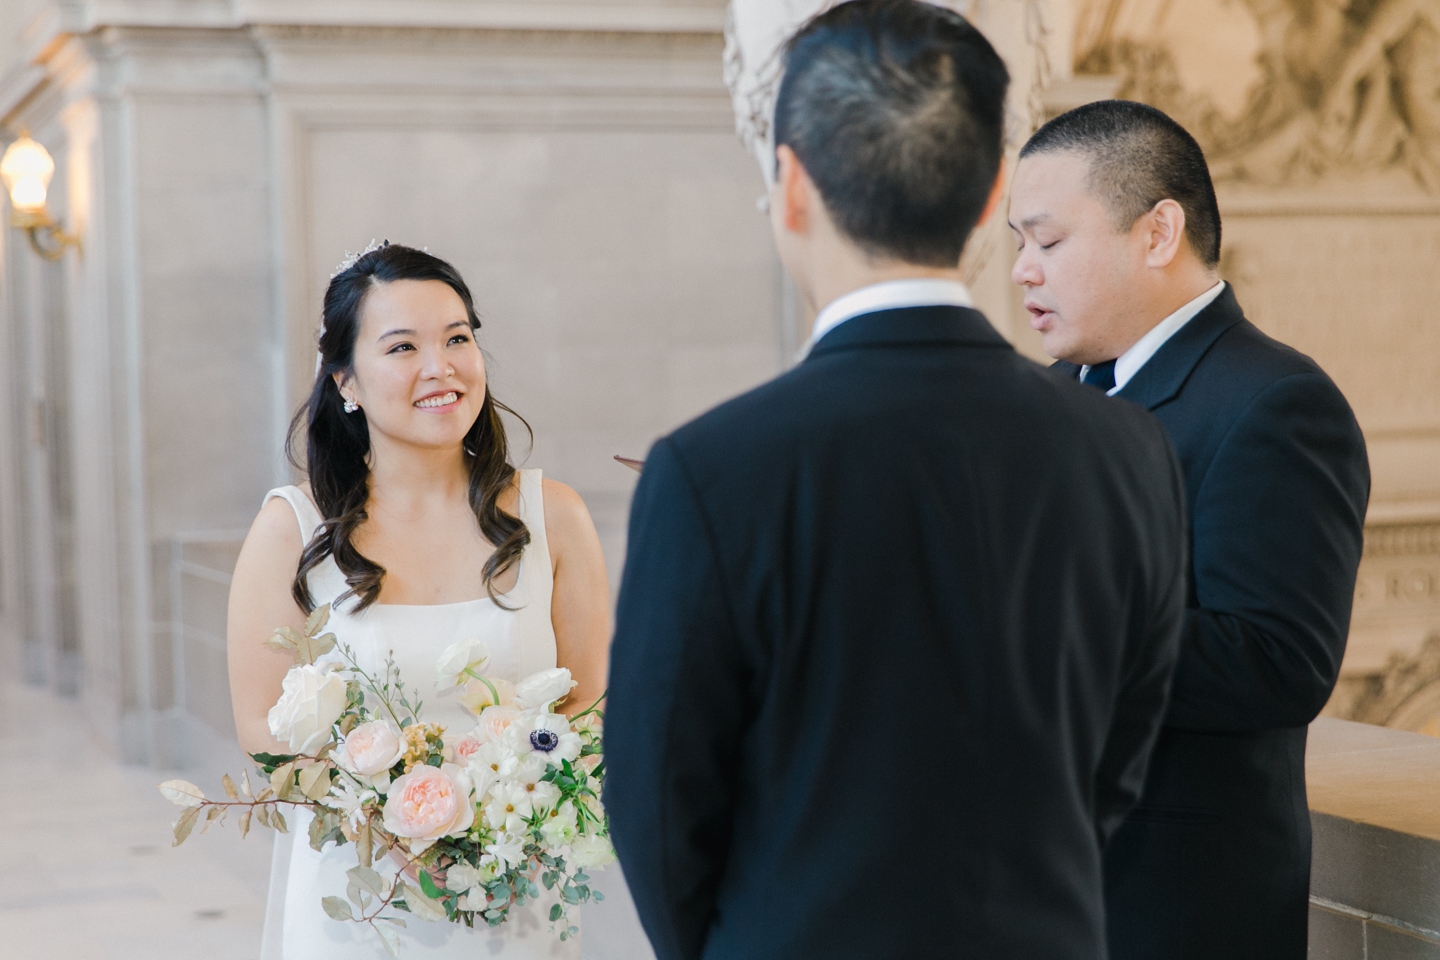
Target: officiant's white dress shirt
[890,295]
[1129,363]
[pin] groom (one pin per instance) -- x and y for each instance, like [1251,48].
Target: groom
[896,628]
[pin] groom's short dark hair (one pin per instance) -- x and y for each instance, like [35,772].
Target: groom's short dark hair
[896,109]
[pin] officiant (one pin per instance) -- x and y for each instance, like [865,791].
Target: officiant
[1119,234]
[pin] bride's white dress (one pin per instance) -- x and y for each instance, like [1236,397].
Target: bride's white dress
[521,641]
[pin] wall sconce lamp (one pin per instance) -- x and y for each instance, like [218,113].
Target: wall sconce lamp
[26,170]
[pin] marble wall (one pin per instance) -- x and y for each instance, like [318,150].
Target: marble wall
[577,161]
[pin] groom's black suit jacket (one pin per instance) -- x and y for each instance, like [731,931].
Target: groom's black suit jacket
[1214,863]
[893,641]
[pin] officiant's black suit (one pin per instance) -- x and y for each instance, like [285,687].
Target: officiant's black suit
[1214,863]
[894,636]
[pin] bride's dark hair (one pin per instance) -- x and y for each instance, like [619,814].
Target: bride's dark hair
[337,444]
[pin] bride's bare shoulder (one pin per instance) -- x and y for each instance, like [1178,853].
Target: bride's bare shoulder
[566,516]
[275,534]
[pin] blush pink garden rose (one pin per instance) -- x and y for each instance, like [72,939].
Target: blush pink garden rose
[371,748]
[493,722]
[465,748]
[429,803]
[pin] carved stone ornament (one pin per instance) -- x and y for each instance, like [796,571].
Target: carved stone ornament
[1347,88]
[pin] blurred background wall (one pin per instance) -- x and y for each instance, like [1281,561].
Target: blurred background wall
[577,160]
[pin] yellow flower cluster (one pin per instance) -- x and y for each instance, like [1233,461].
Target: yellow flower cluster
[421,740]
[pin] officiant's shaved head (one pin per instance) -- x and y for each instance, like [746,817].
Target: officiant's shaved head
[896,110]
[1138,156]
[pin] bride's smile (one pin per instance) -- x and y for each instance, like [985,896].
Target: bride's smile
[440,402]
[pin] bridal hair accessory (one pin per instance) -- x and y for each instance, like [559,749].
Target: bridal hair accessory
[351,406]
[481,817]
[353,258]
[350,260]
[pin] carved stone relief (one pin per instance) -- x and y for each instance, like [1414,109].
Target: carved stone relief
[1348,87]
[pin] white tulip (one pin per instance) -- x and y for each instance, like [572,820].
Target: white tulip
[544,688]
[461,656]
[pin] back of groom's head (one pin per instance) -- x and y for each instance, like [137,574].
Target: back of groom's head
[896,110]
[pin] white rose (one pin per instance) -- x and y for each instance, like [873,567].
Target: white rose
[312,700]
[463,655]
[588,852]
[461,877]
[544,688]
[371,748]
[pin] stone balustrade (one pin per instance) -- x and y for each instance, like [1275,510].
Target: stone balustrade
[1375,809]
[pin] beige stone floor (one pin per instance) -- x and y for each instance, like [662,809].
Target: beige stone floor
[90,871]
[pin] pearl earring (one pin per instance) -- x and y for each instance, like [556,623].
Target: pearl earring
[351,406]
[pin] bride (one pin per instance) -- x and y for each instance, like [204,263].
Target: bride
[417,529]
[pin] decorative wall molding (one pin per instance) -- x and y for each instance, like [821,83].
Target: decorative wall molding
[629,15]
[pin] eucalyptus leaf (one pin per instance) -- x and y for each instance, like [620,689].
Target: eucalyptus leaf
[389,939]
[368,879]
[556,912]
[422,906]
[337,909]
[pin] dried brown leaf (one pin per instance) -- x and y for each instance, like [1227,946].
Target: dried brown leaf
[244,823]
[185,824]
[282,779]
[278,820]
[364,845]
[315,780]
[182,792]
[245,785]
[317,620]
[229,786]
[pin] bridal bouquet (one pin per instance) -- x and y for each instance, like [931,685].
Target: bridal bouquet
[478,819]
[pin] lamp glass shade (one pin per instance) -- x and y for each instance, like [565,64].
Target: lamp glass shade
[26,170]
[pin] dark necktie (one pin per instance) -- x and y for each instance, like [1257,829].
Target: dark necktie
[1101,376]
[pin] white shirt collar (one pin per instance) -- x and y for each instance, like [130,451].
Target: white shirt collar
[890,295]
[1129,363]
